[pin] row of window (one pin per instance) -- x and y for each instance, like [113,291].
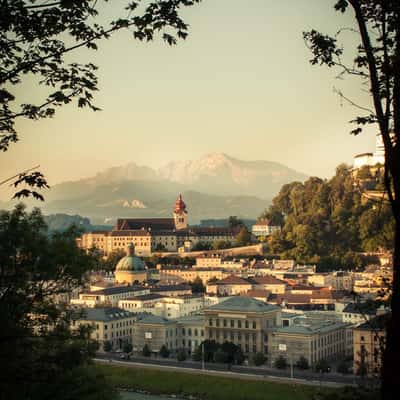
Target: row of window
[118,333]
[239,323]
[233,336]
[189,331]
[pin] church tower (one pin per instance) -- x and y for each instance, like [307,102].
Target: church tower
[180,214]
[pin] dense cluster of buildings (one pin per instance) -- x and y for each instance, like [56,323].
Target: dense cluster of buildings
[273,307]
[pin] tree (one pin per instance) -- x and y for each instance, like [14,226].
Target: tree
[244,237]
[197,354]
[181,355]
[37,35]
[127,347]
[36,342]
[234,222]
[239,356]
[343,367]
[302,363]
[197,286]
[221,356]
[259,359]
[160,247]
[377,65]
[280,362]
[164,352]
[146,352]
[222,244]
[322,366]
[107,346]
[109,263]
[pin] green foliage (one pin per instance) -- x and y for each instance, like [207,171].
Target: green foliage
[110,262]
[222,244]
[197,354]
[322,366]
[203,386]
[244,237]
[107,346]
[181,355]
[197,286]
[302,363]
[259,359]
[160,247]
[221,356]
[36,343]
[164,352]
[280,362]
[234,222]
[327,221]
[343,367]
[146,351]
[127,347]
[201,246]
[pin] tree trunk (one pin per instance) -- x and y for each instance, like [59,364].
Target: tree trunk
[391,358]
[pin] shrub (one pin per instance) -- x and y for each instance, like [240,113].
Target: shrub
[181,355]
[146,350]
[302,363]
[107,346]
[322,366]
[259,359]
[280,362]
[239,357]
[164,352]
[127,347]
[221,356]
[343,367]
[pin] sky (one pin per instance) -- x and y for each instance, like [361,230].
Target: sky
[241,84]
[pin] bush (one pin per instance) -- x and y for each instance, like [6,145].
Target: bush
[164,352]
[280,362]
[221,356]
[146,350]
[259,359]
[181,355]
[302,363]
[127,347]
[322,366]
[107,346]
[197,354]
[343,367]
[239,357]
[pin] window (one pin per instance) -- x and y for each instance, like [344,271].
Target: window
[239,324]
[246,324]
[362,338]
[254,324]
[105,327]
[232,323]
[217,322]
[195,332]
[246,337]
[210,322]
[225,323]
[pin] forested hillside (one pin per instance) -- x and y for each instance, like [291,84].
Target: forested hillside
[328,222]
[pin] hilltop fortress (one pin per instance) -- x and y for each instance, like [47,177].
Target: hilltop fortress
[151,235]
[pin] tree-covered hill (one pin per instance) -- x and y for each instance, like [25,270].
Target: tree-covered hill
[328,222]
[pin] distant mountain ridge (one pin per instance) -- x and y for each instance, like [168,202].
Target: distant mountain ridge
[215,186]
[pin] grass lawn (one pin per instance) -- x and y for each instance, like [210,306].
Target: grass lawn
[202,386]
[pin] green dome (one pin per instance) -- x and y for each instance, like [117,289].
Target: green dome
[130,262]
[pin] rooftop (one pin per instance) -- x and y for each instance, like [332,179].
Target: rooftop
[243,304]
[154,320]
[308,327]
[103,314]
[116,290]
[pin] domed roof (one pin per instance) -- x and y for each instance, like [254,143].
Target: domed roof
[130,262]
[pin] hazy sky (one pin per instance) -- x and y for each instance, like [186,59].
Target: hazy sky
[241,84]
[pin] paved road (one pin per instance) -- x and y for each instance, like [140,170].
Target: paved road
[241,372]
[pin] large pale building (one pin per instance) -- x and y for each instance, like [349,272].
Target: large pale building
[151,235]
[244,321]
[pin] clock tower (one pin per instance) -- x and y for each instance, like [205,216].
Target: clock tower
[180,213]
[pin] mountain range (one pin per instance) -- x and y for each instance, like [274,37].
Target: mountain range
[214,186]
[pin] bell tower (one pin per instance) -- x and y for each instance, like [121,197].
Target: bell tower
[180,213]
